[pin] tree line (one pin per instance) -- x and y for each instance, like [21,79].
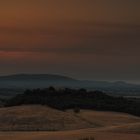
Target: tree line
[66,98]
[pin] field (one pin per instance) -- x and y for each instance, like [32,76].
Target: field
[41,123]
[70,135]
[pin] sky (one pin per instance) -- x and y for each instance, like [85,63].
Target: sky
[85,39]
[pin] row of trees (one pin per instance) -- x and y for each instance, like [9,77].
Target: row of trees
[63,99]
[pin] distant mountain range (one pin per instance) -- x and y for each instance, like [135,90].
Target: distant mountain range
[45,80]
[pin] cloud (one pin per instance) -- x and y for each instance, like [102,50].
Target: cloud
[80,38]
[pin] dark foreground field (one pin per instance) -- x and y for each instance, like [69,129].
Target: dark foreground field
[70,135]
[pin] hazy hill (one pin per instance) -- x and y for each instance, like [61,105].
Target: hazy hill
[45,80]
[35,80]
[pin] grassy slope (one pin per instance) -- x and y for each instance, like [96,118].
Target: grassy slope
[101,125]
[45,118]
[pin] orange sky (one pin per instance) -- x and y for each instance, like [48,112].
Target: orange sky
[63,36]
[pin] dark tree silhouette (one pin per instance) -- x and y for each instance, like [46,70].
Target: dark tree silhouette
[76,99]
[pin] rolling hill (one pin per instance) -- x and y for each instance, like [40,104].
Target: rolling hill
[43,118]
[67,125]
[23,81]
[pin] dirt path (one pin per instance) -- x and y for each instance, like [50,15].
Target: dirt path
[67,135]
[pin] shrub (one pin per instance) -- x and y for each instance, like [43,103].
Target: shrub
[87,138]
[76,110]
